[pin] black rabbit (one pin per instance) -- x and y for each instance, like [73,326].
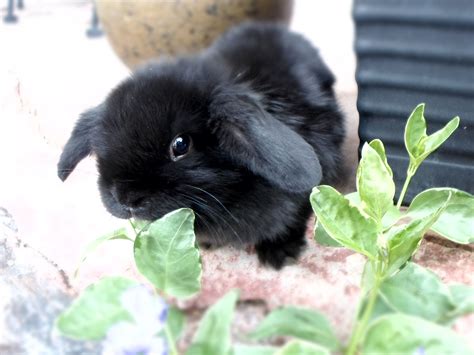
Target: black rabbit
[240,133]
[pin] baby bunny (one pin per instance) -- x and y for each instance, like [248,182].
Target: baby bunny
[240,133]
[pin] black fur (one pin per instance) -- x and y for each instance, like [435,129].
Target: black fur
[265,125]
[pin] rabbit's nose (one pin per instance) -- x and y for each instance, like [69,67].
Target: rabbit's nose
[130,199]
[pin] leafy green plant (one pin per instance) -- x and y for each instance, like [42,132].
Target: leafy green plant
[166,253]
[213,335]
[404,308]
[96,310]
[312,326]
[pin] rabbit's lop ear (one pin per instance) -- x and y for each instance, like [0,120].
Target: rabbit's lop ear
[254,139]
[79,144]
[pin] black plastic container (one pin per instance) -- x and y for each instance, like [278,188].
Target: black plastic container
[409,52]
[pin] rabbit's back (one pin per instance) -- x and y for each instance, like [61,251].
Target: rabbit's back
[295,84]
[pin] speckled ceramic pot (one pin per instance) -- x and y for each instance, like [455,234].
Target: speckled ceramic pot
[143,29]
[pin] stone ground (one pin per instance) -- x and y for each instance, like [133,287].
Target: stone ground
[50,72]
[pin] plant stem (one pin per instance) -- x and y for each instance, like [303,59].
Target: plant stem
[410,173]
[169,338]
[133,226]
[361,324]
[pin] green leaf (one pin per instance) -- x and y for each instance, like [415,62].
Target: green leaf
[378,146]
[419,292]
[403,241]
[463,299]
[175,322]
[403,334]
[241,349]
[391,217]
[419,145]
[167,256]
[300,323]
[121,233]
[456,221]
[213,334]
[374,181]
[415,130]
[95,310]
[354,198]
[435,140]
[139,225]
[344,222]
[299,347]
[323,238]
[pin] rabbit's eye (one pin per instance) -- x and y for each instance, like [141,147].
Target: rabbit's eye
[180,146]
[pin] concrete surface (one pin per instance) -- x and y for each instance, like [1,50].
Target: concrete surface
[33,293]
[50,72]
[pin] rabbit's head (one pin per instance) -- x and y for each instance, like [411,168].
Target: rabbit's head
[168,138]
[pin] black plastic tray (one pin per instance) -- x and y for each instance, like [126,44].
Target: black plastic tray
[409,52]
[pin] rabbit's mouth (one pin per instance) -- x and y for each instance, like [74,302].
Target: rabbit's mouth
[149,209]
[122,211]
[145,213]
[141,213]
